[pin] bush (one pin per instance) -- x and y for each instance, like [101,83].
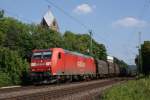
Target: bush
[132,90]
[4,79]
[12,67]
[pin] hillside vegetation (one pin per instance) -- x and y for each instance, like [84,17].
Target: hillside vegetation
[145,59]
[132,90]
[18,39]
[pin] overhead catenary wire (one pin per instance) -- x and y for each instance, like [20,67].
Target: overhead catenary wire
[56,6]
[91,32]
[16,16]
[63,11]
[67,14]
[146,5]
[59,8]
[141,15]
[144,9]
[73,18]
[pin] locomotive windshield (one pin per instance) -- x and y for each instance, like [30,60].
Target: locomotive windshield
[42,55]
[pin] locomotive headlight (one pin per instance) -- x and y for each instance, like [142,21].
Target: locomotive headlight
[33,64]
[48,63]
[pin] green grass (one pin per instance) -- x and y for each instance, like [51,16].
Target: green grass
[132,90]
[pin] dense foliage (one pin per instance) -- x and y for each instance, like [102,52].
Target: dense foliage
[18,39]
[1,13]
[132,90]
[145,49]
[145,59]
[12,67]
[81,43]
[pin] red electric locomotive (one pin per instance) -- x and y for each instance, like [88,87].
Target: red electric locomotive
[55,63]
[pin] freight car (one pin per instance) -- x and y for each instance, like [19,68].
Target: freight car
[106,68]
[57,64]
[101,68]
[117,69]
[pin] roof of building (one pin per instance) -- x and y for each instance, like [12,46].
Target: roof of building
[49,18]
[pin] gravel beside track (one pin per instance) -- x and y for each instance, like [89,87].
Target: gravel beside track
[36,87]
[65,91]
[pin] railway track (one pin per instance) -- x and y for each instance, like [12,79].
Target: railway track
[56,91]
[29,87]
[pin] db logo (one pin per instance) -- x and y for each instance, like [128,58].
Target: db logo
[80,64]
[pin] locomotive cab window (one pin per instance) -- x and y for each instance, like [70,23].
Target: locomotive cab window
[42,55]
[59,55]
[47,55]
[37,55]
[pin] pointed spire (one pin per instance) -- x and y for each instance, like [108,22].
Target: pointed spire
[49,7]
[49,20]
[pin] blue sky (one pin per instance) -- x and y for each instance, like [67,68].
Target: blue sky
[115,23]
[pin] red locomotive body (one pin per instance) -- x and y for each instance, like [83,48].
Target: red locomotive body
[57,61]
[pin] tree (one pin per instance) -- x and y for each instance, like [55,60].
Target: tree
[2,38]
[18,39]
[81,43]
[70,40]
[12,66]
[1,13]
[46,38]
[99,51]
[16,34]
[145,50]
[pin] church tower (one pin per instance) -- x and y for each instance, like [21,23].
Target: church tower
[49,21]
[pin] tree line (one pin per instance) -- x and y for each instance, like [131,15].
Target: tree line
[143,61]
[18,39]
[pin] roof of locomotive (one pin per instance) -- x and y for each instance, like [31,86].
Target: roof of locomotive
[40,50]
[66,51]
[78,54]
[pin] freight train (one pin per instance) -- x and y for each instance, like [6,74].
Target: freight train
[57,64]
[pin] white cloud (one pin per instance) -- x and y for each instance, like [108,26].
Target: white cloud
[83,9]
[130,22]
